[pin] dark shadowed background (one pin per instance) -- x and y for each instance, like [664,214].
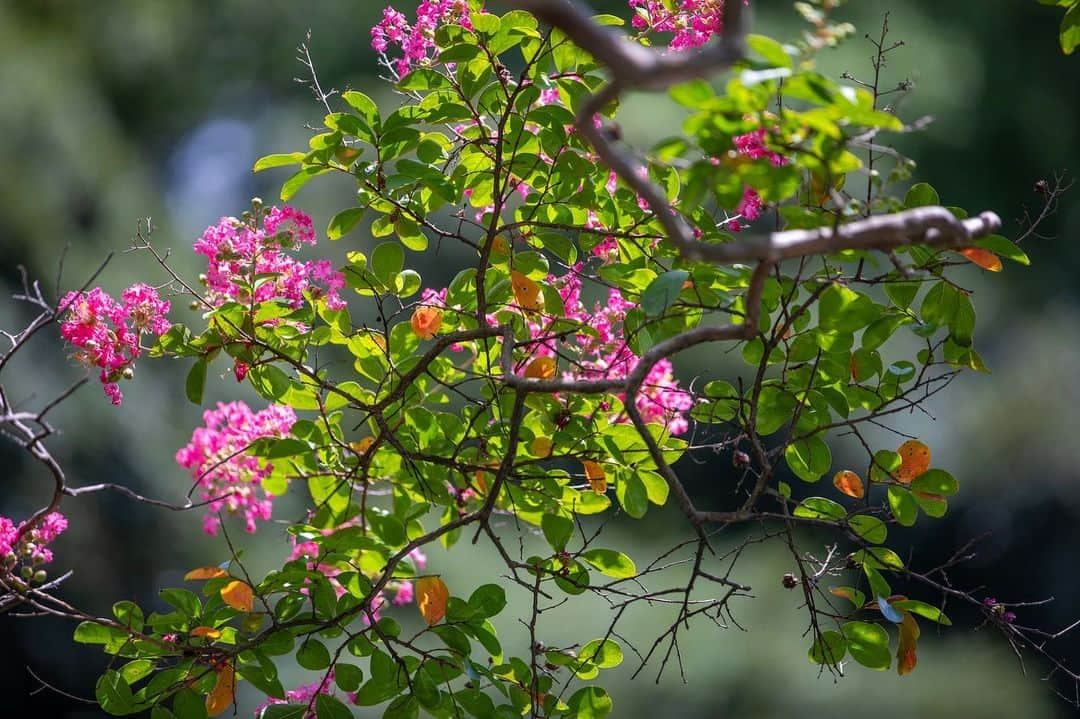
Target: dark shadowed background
[114,111]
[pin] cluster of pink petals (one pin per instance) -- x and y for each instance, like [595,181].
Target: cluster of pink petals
[752,145]
[228,477]
[417,42]
[242,256]
[30,544]
[106,334]
[693,22]
[305,694]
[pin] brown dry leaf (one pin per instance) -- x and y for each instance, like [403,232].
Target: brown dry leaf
[208,632]
[849,483]
[906,657]
[224,691]
[205,573]
[541,368]
[526,292]
[983,258]
[432,594]
[914,460]
[594,472]
[238,595]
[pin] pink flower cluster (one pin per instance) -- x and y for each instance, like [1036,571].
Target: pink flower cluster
[417,42]
[752,145]
[607,355]
[305,694]
[228,477]
[106,333]
[248,263]
[693,22]
[28,544]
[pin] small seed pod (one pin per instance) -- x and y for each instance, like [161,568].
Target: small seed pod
[128,373]
[789,580]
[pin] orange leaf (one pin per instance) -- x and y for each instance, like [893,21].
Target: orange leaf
[432,595]
[594,472]
[849,483]
[983,258]
[362,445]
[843,593]
[909,638]
[541,368]
[208,632]
[914,460]
[224,691]
[426,322]
[205,573]
[499,246]
[526,292]
[238,595]
[541,447]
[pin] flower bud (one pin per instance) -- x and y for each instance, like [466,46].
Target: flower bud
[128,373]
[27,572]
[10,558]
[40,576]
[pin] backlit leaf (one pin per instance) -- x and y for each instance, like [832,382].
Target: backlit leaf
[983,258]
[238,595]
[526,292]
[205,573]
[208,632]
[541,368]
[906,653]
[432,594]
[914,460]
[218,700]
[594,472]
[849,483]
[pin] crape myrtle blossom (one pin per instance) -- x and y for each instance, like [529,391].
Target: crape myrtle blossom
[27,545]
[305,694]
[247,263]
[417,42]
[106,333]
[228,477]
[693,22]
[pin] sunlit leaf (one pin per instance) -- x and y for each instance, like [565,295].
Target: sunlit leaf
[541,368]
[914,460]
[208,632]
[849,593]
[526,292]
[426,321]
[849,483]
[983,258]
[205,573]
[594,472]
[432,594]
[218,700]
[238,595]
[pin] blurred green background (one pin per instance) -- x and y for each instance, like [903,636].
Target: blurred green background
[114,111]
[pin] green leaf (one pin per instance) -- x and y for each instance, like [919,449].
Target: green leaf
[301,178]
[868,644]
[921,195]
[1070,30]
[405,707]
[343,222]
[604,653]
[313,655]
[871,529]
[327,707]
[770,49]
[829,648]
[488,600]
[284,711]
[279,160]
[1003,247]
[590,703]
[386,261]
[114,695]
[662,292]
[842,310]
[557,530]
[903,505]
[809,458]
[196,381]
[632,495]
[609,562]
[820,508]
[923,610]
[936,481]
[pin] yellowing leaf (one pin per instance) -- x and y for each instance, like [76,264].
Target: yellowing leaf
[432,595]
[983,258]
[500,247]
[426,321]
[238,595]
[909,637]
[849,483]
[363,445]
[594,472]
[208,632]
[224,691]
[526,292]
[205,573]
[541,447]
[914,460]
[541,368]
